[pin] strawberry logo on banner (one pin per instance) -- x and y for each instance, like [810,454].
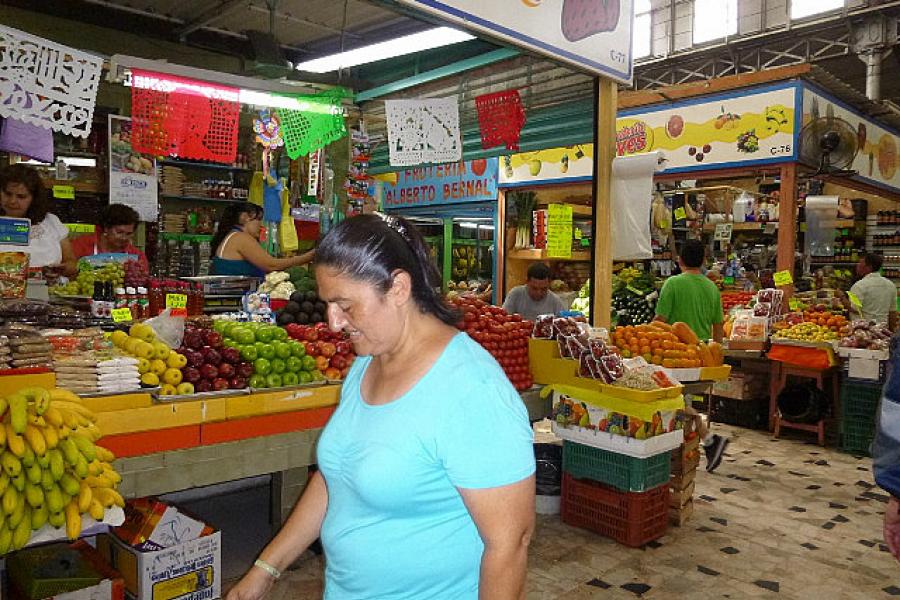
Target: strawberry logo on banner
[175,116]
[501,117]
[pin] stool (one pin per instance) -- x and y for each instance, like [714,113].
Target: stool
[776,421]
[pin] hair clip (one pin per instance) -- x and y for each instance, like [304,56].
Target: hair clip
[395,224]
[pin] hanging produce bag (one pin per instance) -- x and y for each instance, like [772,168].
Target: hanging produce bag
[632,194]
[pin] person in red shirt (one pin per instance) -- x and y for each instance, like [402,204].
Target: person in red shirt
[114,234]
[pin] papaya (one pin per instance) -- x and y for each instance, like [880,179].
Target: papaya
[685,333]
[706,356]
[718,354]
[661,325]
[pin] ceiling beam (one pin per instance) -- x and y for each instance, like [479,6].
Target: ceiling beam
[292,19]
[207,16]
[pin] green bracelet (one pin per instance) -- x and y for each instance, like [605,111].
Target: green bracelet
[275,573]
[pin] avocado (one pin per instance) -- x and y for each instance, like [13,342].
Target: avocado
[321,307]
[284,318]
[302,318]
[307,307]
[316,318]
[292,307]
[298,297]
[312,296]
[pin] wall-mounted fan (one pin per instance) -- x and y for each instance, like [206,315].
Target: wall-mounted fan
[829,143]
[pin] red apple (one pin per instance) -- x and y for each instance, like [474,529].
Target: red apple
[342,347]
[209,372]
[338,361]
[231,355]
[237,383]
[193,339]
[203,386]
[326,349]
[310,348]
[194,358]
[244,369]
[310,335]
[211,355]
[226,370]
[332,373]
[212,338]
[191,374]
[220,384]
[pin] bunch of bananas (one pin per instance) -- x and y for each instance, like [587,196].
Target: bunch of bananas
[629,274]
[50,469]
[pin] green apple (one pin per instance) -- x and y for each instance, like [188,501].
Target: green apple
[278,365]
[305,377]
[294,364]
[309,363]
[262,366]
[317,375]
[264,334]
[243,335]
[290,379]
[229,343]
[297,349]
[273,380]
[279,334]
[266,351]
[249,353]
[282,349]
[219,325]
[257,381]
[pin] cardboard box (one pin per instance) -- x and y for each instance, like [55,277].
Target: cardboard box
[679,517]
[682,463]
[681,481]
[188,571]
[741,386]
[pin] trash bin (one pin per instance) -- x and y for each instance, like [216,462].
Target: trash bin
[548,477]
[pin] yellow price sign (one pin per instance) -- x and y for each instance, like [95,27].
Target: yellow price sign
[854,300]
[64,192]
[176,301]
[680,214]
[121,315]
[783,278]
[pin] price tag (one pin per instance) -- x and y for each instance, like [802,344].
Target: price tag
[854,300]
[585,242]
[64,192]
[177,303]
[783,278]
[794,304]
[577,233]
[680,214]
[803,227]
[723,232]
[728,280]
[770,228]
[121,315]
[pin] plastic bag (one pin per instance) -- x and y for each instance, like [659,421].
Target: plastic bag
[169,329]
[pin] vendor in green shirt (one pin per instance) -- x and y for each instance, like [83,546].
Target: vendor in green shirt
[691,297]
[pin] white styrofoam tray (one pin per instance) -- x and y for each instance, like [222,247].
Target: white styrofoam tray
[620,443]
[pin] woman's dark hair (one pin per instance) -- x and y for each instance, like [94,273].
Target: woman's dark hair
[118,214]
[372,248]
[31,179]
[231,218]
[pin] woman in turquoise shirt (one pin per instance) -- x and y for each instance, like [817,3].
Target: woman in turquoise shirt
[425,488]
[237,245]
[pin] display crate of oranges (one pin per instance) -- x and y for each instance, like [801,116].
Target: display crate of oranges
[672,346]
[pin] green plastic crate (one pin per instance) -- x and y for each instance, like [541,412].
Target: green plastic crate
[617,470]
[860,400]
[857,434]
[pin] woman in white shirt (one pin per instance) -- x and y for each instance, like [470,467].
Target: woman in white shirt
[23,195]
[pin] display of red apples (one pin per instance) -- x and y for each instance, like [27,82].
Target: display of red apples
[332,350]
[504,335]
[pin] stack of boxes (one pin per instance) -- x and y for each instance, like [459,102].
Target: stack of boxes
[743,399]
[684,472]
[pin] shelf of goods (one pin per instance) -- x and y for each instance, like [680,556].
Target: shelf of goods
[201,198]
[185,237]
[745,227]
[203,165]
[534,254]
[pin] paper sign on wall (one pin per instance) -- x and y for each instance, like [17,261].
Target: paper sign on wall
[559,231]
[783,278]
[132,175]
[723,232]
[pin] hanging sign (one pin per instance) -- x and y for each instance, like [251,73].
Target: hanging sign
[121,315]
[177,303]
[854,300]
[423,131]
[453,183]
[723,232]
[783,278]
[15,231]
[594,35]
[132,175]
[559,231]
[680,214]
[312,178]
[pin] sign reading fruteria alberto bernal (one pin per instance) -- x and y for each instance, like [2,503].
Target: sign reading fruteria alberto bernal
[594,35]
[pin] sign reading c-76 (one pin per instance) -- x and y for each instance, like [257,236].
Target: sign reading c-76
[594,35]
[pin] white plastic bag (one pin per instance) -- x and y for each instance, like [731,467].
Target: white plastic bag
[169,329]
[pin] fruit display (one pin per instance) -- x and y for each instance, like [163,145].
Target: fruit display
[331,351]
[303,308]
[826,318]
[634,297]
[503,335]
[83,284]
[806,332]
[671,346]
[136,273]
[733,299]
[570,412]
[465,262]
[573,274]
[52,472]
[868,335]
[158,364]
[209,365]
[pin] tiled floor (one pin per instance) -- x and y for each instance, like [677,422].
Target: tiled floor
[779,519]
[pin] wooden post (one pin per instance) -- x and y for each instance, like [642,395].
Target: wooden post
[500,249]
[447,263]
[604,152]
[787,223]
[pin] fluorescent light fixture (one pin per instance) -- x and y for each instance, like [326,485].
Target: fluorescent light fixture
[473,225]
[69,161]
[408,44]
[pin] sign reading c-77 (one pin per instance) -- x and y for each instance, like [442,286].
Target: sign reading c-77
[594,35]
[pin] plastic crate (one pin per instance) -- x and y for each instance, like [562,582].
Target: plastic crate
[860,399]
[630,518]
[751,414]
[618,470]
[857,434]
